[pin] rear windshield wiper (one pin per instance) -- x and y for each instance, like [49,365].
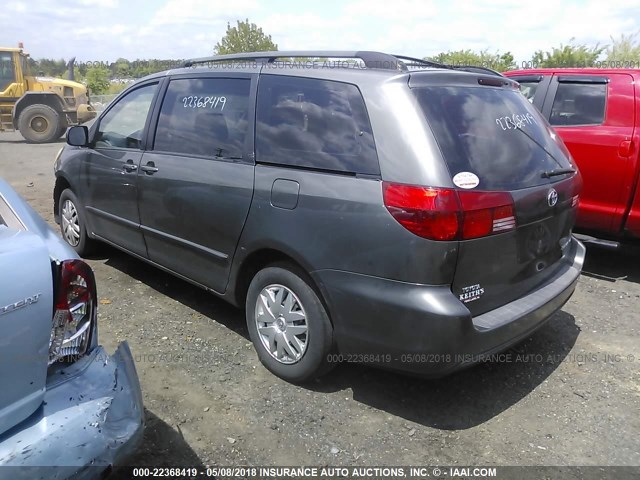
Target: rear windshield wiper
[557,171]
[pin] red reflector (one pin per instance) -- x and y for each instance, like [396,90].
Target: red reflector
[428,212]
[486,213]
[447,214]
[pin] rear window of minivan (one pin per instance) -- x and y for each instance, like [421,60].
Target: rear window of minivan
[493,134]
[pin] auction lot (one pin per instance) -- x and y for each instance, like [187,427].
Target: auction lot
[569,395]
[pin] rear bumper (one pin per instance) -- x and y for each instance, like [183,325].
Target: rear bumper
[425,329]
[92,418]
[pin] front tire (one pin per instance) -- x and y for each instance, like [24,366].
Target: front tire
[39,124]
[72,224]
[288,324]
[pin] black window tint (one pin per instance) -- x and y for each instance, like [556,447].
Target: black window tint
[7,72]
[579,104]
[204,116]
[122,126]
[314,123]
[494,133]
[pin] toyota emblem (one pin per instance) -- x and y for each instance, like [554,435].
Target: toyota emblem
[552,197]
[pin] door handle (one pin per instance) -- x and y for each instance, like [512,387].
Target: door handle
[625,149]
[149,168]
[129,166]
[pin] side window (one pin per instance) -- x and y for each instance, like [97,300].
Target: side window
[204,116]
[579,104]
[123,124]
[7,72]
[529,89]
[314,123]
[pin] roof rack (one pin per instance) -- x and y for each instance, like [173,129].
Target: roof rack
[376,60]
[421,62]
[415,62]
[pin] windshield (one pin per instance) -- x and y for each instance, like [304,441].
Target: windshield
[490,134]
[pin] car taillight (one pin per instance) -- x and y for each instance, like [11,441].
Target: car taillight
[486,213]
[75,311]
[428,212]
[448,214]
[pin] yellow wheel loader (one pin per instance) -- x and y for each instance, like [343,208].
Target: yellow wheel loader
[40,108]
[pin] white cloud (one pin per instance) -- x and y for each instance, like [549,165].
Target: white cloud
[18,7]
[398,10]
[201,12]
[188,28]
[100,3]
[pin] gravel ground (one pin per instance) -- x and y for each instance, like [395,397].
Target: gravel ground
[570,394]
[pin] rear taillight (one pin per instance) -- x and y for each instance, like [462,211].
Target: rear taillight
[448,214]
[428,212]
[75,311]
[486,213]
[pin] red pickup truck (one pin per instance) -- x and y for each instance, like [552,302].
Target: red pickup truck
[597,114]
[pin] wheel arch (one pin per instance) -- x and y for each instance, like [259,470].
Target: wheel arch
[62,183]
[262,257]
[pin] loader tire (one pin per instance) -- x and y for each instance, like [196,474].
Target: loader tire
[39,124]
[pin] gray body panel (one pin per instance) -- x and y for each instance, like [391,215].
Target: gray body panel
[340,223]
[191,216]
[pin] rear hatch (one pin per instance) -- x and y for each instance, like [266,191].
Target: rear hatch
[516,183]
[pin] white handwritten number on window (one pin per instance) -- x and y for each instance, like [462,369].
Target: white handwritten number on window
[204,102]
[515,121]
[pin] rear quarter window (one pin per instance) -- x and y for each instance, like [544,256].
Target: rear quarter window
[314,123]
[493,133]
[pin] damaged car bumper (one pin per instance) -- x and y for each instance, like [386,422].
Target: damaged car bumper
[91,419]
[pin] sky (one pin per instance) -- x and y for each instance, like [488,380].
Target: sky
[104,30]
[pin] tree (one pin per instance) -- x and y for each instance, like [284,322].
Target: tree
[121,68]
[98,80]
[245,37]
[494,61]
[567,56]
[625,50]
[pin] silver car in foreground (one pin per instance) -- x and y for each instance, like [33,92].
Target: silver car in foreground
[67,409]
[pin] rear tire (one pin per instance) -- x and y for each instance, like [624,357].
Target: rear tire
[39,124]
[72,224]
[288,324]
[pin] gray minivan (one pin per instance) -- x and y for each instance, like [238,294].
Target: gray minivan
[362,207]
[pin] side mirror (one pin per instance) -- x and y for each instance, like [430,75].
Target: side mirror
[78,136]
